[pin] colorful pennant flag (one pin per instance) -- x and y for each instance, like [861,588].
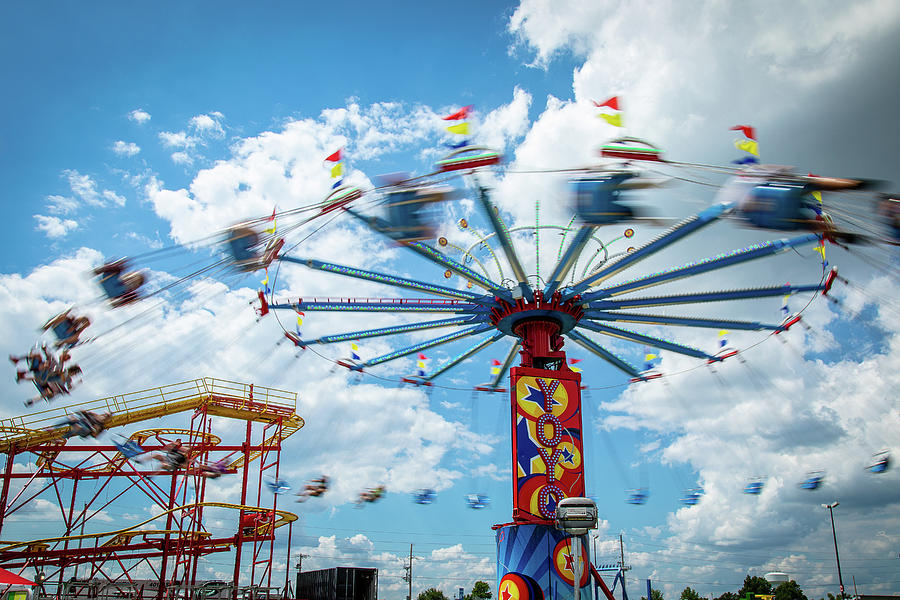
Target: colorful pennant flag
[354,349]
[459,115]
[821,250]
[612,103]
[459,129]
[574,361]
[337,169]
[651,355]
[614,120]
[747,146]
[265,283]
[495,370]
[747,130]
[784,305]
[274,222]
[723,341]
[747,160]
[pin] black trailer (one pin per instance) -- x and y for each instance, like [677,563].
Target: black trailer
[338,583]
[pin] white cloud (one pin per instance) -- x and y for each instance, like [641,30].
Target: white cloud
[55,227]
[113,197]
[182,158]
[125,148]
[139,116]
[208,124]
[177,139]
[61,204]
[84,188]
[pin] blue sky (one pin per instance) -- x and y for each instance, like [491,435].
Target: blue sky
[130,127]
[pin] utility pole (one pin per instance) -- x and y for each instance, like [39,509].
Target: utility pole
[300,558]
[623,567]
[408,577]
[837,557]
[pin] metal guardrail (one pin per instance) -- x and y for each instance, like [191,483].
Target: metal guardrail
[157,402]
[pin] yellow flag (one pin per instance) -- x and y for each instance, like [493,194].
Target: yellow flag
[723,332]
[575,369]
[495,370]
[649,357]
[354,347]
[337,170]
[299,321]
[461,128]
[615,120]
[817,196]
[820,250]
[266,280]
[272,229]
[747,146]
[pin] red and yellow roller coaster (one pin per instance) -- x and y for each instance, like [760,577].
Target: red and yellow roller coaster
[169,544]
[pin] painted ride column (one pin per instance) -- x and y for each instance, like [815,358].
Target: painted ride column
[535,560]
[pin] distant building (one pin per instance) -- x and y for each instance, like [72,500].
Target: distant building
[338,583]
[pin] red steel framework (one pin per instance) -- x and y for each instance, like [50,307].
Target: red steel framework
[55,467]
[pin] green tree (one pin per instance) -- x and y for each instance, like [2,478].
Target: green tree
[689,593]
[754,585]
[480,591]
[654,595]
[789,590]
[432,594]
[728,596]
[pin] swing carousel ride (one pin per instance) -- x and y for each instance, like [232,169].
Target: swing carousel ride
[595,288]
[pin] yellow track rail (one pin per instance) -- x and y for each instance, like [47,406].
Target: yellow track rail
[282,517]
[220,398]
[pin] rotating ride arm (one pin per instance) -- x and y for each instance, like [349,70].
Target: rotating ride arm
[369,333]
[610,357]
[404,305]
[679,231]
[475,330]
[709,264]
[386,279]
[464,355]
[506,243]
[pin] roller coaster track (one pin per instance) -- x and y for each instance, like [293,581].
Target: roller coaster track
[120,539]
[217,396]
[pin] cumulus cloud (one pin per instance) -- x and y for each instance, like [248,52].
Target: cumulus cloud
[54,227]
[208,124]
[125,148]
[139,116]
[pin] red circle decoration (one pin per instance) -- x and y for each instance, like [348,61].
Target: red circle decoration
[629,232]
[513,587]
[563,562]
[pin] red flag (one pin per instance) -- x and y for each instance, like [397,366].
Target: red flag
[613,103]
[272,218]
[747,130]
[462,113]
[422,356]
[496,363]
[336,157]
[573,361]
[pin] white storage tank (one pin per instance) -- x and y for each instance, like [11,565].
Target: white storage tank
[776,578]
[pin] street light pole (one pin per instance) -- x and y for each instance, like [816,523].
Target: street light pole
[837,557]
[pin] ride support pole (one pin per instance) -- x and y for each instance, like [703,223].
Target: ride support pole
[167,539]
[4,493]
[239,538]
